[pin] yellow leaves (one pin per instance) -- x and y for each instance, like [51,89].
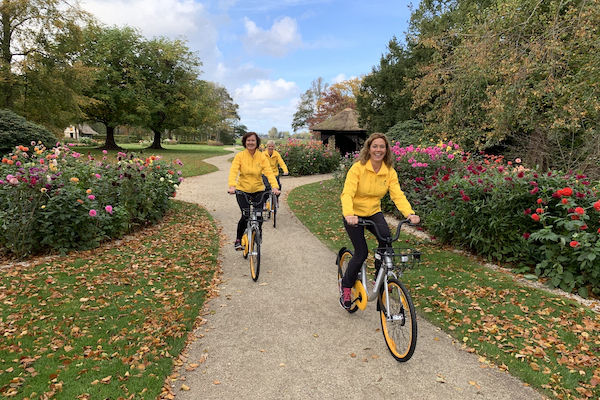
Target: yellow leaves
[185,387]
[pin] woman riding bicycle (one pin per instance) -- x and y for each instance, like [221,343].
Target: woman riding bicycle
[367,181]
[275,161]
[245,174]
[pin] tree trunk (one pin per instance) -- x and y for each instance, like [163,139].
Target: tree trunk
[6,90]
[110,143]
[156,142]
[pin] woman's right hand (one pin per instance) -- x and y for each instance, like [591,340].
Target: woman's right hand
[351,220]
[231,190]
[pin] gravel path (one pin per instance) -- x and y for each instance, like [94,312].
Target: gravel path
[286,337]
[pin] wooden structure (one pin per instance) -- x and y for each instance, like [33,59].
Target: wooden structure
[343,130]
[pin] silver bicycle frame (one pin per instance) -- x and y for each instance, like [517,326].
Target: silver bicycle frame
[252,225]
[382,279]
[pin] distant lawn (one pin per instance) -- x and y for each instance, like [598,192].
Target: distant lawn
[547,341]
[190,154]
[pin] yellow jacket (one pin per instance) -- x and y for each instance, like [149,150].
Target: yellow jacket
[250,169]
[364,189]
[275,159]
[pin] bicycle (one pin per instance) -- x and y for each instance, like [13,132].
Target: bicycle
[252,237]
[395,306]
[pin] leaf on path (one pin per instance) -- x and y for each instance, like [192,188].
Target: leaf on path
[185,387]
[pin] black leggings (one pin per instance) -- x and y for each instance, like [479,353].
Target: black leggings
[241,199]
[268,185]
[361,251]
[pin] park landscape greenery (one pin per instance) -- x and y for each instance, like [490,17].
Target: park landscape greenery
[493,103]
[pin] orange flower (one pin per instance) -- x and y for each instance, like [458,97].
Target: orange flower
[88,191]
[74,179]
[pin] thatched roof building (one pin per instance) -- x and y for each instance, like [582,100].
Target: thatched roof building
[343,130]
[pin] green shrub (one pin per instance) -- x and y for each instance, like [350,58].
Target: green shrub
[16,130]
[503,211]
[309,158]
[57,199]
[406,133]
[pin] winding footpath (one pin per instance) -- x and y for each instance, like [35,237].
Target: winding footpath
[286,336]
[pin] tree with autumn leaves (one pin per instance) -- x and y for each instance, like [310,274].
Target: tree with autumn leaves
[58,66]
[511,77]
[322,101]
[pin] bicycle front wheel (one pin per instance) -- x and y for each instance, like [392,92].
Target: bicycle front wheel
[342,267]
[274,207]
[398,320]
[254,255]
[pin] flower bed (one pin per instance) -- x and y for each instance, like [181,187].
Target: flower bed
[547,222]
[309,158]
[58,199]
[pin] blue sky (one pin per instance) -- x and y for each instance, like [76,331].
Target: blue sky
[267,53]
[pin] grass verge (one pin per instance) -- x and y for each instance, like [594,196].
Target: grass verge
[549,342]
[192,155]
[107,323]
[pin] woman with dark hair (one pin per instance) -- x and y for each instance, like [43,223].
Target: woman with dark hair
[367,181]
[245,175]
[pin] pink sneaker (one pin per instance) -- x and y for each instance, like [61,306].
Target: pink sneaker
[346,299]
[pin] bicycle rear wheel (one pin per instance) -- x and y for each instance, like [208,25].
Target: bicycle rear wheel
[254,255]
[400,328]
[342,265]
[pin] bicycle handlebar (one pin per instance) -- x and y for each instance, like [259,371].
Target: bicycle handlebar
[263,197]
[365,222]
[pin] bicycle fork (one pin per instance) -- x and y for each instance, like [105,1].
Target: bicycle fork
[385,271]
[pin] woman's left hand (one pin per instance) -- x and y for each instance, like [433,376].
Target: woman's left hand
[414,219]
[276,191]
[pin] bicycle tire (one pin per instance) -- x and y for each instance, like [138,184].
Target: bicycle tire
[342,265]
[400,333]
[245,245]
[275,206]
[254,255]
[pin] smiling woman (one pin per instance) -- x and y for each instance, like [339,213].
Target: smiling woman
[368,180]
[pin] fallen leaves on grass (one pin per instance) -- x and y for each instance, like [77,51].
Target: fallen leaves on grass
[121,308]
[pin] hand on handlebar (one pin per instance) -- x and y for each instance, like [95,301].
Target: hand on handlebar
[414,219]
[231,190]
[276,191]
[351,220]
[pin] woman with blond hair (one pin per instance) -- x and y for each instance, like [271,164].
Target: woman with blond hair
[367,181]
[276,161]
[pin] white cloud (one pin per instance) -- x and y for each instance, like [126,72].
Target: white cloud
[266,90]
[152,17]
[267,103]
[279,40]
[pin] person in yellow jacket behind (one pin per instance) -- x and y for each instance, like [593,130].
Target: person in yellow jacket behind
[367,181]
[245,175]
[275,161]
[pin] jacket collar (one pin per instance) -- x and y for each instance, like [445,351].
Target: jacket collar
[382,171]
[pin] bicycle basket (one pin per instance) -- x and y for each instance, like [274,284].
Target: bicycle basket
[402,257]
[260,215]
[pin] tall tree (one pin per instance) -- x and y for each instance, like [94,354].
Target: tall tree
[37,75]
[114,96]
[336,98]
[169,71]
[384,99]
[307,106]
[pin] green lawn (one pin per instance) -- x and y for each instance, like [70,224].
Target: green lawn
[106,323]
[192,155]
[547,341]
